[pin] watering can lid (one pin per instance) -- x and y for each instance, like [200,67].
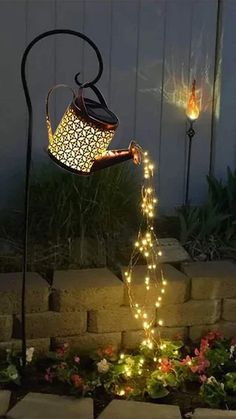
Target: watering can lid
[98,111]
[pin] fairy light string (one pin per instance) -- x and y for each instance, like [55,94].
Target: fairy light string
[147,248]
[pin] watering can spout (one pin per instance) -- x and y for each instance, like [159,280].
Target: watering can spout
[112,157]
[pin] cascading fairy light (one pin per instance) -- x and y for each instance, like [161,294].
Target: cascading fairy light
[147,247]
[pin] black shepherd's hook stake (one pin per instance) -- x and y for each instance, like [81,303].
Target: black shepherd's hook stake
[29,154]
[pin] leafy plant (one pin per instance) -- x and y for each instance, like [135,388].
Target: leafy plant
[213,392]
[209,232]
[230,382]
[73,217]
[155,386]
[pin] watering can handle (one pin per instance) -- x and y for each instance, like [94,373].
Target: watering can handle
[49,124]
[81,101]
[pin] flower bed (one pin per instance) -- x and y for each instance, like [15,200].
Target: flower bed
[171,372]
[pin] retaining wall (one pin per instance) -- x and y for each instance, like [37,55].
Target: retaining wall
[89,308]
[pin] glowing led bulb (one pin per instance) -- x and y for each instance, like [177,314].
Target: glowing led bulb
[157,304]
[164,282]
[160,253]
[121,393]
[122,356]
[160,322]
[163,291]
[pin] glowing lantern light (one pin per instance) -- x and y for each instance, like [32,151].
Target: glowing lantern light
[192,110]
[79,143]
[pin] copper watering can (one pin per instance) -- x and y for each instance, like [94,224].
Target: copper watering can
[80,141]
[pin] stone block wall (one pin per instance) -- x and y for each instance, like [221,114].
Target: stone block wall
[89,308]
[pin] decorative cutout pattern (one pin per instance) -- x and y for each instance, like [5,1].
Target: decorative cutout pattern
[76,143]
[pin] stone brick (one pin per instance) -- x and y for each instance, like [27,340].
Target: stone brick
[133,338]
[127,409]
[51,406]
[190,313]
[214,414]
[227,328]
[4,401]
[212,280]
[115,320]
[229,310]
[86,289]
[90,341]
[6,323]
[177,288]
[37,292]
[172,251]
[50,324]
[41,346]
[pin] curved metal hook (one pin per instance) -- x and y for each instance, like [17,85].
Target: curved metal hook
[29,152]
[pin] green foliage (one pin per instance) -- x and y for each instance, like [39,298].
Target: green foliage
[213,393]
[155,386]
[10,367]
[230,382]
[209,232]
[218,357]
[78,220]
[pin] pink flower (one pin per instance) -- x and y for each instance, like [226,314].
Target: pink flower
[214,335]
[77,359]
[203,378]
[49,375]
[187,361]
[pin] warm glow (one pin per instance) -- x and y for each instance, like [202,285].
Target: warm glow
[192,110]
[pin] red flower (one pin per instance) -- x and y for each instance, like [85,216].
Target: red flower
[62,350]
[165,365]
[128,390]
[233,342]
[77,381]
[107,352]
